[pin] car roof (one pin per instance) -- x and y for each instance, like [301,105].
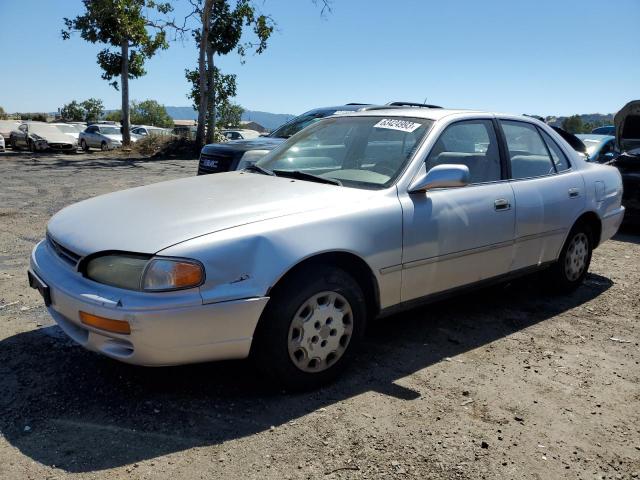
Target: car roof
[417,112]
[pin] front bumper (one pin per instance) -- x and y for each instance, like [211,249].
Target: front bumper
[169,328]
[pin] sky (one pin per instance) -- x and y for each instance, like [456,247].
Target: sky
[545,57]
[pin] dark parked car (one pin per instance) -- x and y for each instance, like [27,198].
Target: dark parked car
[239,154]
[627,123]
[606,130]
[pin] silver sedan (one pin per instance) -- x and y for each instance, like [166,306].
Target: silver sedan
[355,217]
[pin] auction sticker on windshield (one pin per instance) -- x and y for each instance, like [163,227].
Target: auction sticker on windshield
[395,124]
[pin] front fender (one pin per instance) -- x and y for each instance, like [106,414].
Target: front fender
[246,261]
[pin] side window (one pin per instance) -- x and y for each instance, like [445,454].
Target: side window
[558,156]
[22,128]
[527,152]
[472,143]
[92,129]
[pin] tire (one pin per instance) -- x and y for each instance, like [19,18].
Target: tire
[14,146]
[104,147]
[572,266]
[298,342]
[32,146]
[84,146]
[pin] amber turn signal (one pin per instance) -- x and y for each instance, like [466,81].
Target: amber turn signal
[108,324]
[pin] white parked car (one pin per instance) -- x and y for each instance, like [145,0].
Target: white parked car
[239,134]
[2,145]
[39,136]
[6,127]
[102,136]
[145,130]
[357,216]
[71,129]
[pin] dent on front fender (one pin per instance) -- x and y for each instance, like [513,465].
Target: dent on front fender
[246,261]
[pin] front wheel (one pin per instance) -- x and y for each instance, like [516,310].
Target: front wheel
[84,146]
[573,264]
[310,328]
[104,147]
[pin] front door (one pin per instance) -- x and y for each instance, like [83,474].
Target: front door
[458,236]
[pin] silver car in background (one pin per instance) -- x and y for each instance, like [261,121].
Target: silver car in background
[355,217]
[102,136]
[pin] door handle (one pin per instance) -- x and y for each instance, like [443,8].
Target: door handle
[501,204]
[574,192]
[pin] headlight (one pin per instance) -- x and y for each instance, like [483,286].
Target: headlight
[251,157]
[139,272]
[166,274]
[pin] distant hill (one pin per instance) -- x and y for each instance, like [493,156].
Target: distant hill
[594,119]
[266,119]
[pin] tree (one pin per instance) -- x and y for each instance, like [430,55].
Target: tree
[72,111]
[122,25]
[93,109]
[114,116]
[573,124]
[3,114]
[34,117]
[150,112]
[219,32]
[229,115]
[224,87]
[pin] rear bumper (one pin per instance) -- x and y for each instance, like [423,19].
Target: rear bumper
[610,223]
[166,328]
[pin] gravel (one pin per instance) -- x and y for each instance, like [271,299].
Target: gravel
[508,382]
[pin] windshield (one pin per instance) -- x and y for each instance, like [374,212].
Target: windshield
[43,129]
[362,152]
[110,130]
[67,128]
[294,126]
[592,143]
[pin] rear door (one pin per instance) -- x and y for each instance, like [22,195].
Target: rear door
[549,194]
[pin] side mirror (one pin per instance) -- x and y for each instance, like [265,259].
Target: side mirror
[441,176]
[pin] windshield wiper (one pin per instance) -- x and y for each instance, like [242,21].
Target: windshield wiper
[259,169]
[297,174]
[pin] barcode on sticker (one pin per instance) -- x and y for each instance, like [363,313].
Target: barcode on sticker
[395,124]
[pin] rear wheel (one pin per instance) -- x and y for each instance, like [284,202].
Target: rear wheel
[573,264]
[310,328]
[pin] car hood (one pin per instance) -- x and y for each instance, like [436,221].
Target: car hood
[261,143]
[53,137]
[627,122]
[151,218]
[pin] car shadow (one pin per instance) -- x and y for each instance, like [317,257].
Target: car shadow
[81,412]
[628,234]
[92,160]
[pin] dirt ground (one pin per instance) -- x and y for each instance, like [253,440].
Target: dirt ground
[506,383]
